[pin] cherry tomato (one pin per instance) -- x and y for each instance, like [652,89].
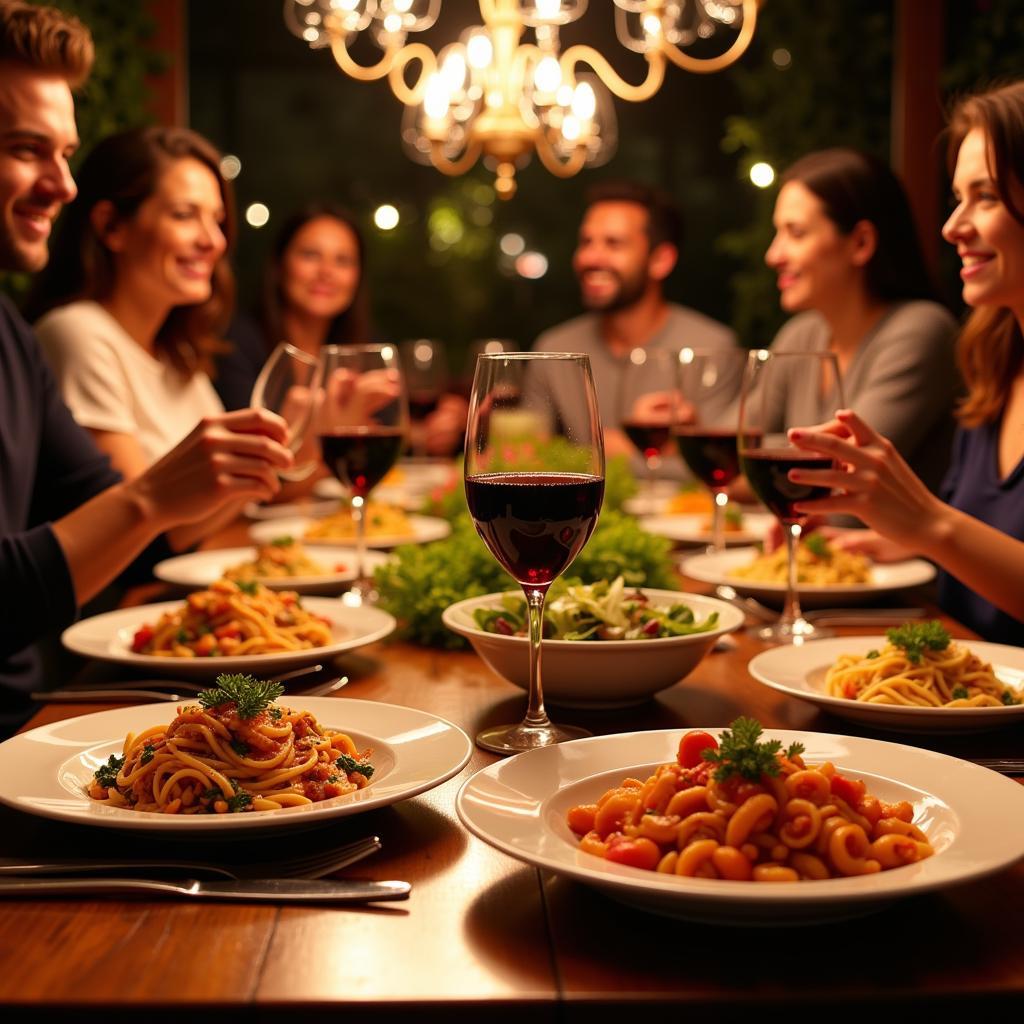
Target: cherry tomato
[142,638]
[691,746]
[850,790]
[637,853]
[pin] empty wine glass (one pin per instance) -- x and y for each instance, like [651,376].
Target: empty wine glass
[646,406]
[426,377]
[286,386]
[769,406]
[362,421]
[706,424]
[535,502]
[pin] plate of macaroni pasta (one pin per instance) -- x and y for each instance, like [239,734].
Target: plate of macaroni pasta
[228,627]
[386,527]
[948,821]
[835,579]
[914,678]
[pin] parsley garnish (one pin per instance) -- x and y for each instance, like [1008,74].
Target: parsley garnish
[148,753]
[915,637]
[350,765]
[250,695]
[239,801]
[1008,699]
[283,542]
[182,636]
[740,752]
[960,693]
[818,546]
[275,714]
[240,747]
[106,774]
[247,587]
[872,654]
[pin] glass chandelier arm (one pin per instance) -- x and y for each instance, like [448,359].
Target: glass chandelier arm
[558,167]
[453,168]
[344,60]
[740,44]
[411,95]
[581,54]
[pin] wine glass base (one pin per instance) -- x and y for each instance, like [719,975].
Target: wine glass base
[361,593]
[514,739]
[796,632]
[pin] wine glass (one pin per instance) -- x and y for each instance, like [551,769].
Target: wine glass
[481,347]
[534,497]
[777,391]
[362,422]
[426,376]
[705,424]
[286,385]
[646,405]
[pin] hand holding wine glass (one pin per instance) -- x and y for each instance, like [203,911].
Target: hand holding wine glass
[286,386]
[767,457]
[362,421]
[534,501]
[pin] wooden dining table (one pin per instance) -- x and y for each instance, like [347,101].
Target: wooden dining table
[483,936]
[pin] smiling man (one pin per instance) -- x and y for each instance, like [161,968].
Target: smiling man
[629,244]
[68,525]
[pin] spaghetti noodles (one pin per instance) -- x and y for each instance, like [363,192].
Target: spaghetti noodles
[234,619]
[281,558]
[945,676]
[215,759]
[817,564]
[762,815]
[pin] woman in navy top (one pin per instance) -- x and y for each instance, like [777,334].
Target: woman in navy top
[977,534]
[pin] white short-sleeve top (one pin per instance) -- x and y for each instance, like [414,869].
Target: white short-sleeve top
[111,383]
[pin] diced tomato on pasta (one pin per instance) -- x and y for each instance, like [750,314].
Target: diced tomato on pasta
[850,790]
[142,639]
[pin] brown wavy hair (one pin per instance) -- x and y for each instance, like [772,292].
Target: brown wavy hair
[990,349]
[124,170]
[350,325]
[45,39]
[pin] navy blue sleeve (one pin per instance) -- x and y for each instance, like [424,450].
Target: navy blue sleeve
[48,466]
[235,372]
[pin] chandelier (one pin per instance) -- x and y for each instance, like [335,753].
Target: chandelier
[492,94]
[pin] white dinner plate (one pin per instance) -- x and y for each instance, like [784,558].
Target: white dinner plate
[693,529]
[717,568]
[800,672]
[424,529]
[201,568]
[45,772]
[973,817]
[290,509]
[109,638]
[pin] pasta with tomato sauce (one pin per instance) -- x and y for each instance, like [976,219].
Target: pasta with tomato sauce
[703,816]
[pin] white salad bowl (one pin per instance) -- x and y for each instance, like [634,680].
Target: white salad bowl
[598,673]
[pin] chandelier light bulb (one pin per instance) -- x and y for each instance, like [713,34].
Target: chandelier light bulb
[453,72]
[479,51]
[548,8]
[652,24]
[584,101]
[344,5]
[436,98]
[403,6]
[571,129]
[548,75]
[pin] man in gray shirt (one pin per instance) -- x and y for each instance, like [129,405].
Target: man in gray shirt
[628,245]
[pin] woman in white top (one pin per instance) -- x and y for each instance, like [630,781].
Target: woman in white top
[138,291]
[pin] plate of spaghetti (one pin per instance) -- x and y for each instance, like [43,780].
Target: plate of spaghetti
[229,627]
[828,579]
[283,564]
[740,527]
[644,818]
[386,527]
[915,678]
[195,769]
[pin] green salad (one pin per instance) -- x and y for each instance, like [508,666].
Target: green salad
[595,611]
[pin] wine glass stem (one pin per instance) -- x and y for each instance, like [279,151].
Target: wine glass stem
[718,521]
[359,518]
[652,463]
[792,611]
[536,716]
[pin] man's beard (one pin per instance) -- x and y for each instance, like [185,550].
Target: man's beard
[19,260]
[628,293]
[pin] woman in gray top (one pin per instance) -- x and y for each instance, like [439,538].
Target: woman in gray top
[849,265]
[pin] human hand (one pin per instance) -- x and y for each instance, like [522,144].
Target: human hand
[661,408]
[227,458]
[866,542]
[873,483]
[445,427]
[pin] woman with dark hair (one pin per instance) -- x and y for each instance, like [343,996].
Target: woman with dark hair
[314,293]
[976,534]
[849,265]
[138,291]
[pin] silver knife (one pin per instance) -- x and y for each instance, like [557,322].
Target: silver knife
[265,890]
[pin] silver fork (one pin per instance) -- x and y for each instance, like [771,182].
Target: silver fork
[312,865]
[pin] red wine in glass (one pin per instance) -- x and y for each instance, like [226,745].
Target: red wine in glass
[534,524]
[712,455]
[767,469]
[361,456]
[647,438]
[422,403]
